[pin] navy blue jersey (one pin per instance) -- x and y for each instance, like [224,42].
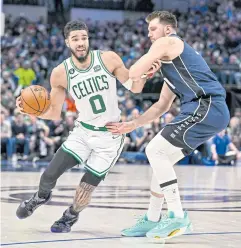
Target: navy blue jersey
[189,76]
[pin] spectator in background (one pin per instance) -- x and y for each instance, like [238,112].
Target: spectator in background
[8,82]
[235,128]
[167,118]
[26,77]
[55,48]
[131,4]
[129,107]
[220,145]
[140,136]
[39,143]
[56,132]
[235,76]
[6,134]
[156,126]
[20,139]
[8,100]
[68,124]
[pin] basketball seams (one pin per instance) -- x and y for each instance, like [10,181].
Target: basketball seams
[36,99]
[42,104]
[30,106]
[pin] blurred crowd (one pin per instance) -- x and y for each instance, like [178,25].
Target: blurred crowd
[30,51]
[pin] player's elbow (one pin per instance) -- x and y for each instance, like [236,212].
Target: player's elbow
[52,113]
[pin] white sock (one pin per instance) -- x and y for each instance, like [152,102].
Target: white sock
[155,208]
[173,200]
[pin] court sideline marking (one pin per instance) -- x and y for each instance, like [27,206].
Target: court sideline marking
[101,238]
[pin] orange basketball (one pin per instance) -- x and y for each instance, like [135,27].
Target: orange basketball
[35,100]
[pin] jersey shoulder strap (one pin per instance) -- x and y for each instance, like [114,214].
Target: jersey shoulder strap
[101,63]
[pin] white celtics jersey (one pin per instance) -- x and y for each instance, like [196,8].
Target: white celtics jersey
[94,91]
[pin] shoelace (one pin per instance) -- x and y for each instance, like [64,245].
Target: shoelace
[29,205]
[140,220]
[62,220]
[165,221]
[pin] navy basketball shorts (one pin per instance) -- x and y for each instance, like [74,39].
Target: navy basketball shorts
[197,122]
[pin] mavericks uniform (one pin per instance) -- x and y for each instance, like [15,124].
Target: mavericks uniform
[94,92]
[203,108]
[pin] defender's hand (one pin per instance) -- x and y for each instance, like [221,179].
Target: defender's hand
[121,127]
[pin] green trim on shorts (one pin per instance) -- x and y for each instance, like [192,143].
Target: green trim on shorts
[103,173]
[93,128]
[103,65]
[96,173]
[67,74]
[77,157]
[122,141]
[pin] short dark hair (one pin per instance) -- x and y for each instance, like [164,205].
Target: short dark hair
[164,17]
[74,25]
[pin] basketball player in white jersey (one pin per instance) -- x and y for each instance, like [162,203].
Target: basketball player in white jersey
[90,78]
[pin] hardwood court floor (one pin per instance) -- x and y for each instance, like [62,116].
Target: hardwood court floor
[212,196]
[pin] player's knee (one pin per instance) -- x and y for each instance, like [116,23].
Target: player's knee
[156,147]
[150,149]
[91,179]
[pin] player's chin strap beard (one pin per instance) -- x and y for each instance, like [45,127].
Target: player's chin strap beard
[82,196]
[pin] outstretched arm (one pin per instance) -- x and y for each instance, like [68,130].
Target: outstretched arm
[156,110]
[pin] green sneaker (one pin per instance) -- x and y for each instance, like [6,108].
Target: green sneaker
[140,229]
[170,226]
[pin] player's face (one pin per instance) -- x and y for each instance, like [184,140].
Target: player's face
[156,30]
[78,43]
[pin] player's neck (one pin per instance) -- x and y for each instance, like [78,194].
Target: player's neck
[84,65]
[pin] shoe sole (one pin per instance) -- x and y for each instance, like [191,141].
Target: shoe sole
[56,231]
[134,235]
[175,233]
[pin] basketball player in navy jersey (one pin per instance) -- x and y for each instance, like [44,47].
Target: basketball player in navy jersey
[203,114]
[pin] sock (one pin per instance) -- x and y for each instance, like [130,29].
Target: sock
[155,207]
[172,198]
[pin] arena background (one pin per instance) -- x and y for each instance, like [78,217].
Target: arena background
[32,44]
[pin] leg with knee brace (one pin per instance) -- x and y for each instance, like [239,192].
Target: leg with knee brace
[156,201]
[162,156]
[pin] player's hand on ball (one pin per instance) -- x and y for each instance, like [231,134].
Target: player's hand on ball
[121,127]
[19,105]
